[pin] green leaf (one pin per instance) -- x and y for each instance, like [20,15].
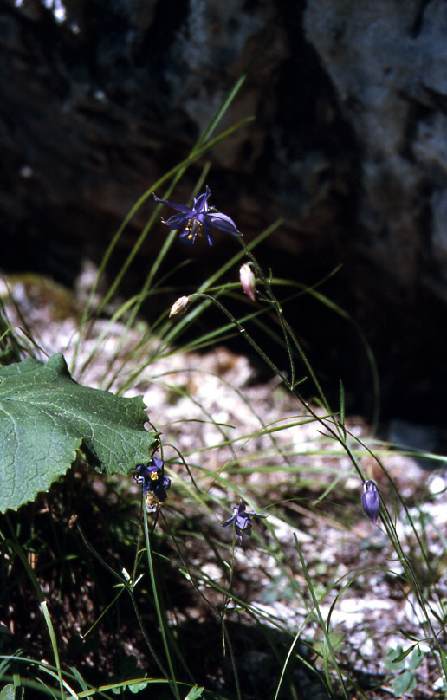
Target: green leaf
[395,658]
[416,658]
[195,693]
[137,687]
[46,417]
[78,677]
[133,687]
[404,683]
[8,692]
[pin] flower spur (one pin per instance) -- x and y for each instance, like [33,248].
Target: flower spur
[197,221]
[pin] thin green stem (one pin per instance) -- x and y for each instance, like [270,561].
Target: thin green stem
[161,620]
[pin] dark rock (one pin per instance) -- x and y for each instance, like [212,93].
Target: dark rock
[420,438]
[388,64]
[96,107]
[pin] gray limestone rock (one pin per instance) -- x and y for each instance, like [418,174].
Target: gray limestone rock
[388,64]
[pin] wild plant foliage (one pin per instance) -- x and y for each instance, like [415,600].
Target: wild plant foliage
[158,541]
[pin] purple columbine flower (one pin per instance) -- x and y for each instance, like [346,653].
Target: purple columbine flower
[371,500]
[241,519]
[193,223]
[154,482]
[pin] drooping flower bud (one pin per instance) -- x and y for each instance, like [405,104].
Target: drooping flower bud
[371,500]
[179,306]
[248,281]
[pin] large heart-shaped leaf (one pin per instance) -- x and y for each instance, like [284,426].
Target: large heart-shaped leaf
[45,417]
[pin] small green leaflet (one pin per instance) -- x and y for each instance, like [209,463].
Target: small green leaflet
[404,683]
[133,687]
[45,417]
[8,692]
[195,693]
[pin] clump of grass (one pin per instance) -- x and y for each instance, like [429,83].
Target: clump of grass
[171,584]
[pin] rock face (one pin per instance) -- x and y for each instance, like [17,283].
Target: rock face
[388,64]
[100,97]
[99,103]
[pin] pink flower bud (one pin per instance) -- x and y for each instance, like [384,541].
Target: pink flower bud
[179,306]
[248,281]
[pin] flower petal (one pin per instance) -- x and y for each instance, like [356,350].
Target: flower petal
[174,205]
[243,522]
[230,521]
[157,462]
[177,221]
[208,235]
[222,222]
[201,202]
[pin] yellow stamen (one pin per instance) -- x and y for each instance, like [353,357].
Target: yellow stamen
[196,226]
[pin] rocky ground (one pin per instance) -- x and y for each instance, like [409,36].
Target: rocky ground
[211,407]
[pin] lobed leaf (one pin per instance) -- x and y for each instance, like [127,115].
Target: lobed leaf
[46,417]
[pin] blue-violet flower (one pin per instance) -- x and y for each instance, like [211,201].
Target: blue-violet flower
[371,500]
[154,482]
[241,519]
[193,223]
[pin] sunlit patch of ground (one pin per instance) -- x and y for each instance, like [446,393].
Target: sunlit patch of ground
[210,406]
